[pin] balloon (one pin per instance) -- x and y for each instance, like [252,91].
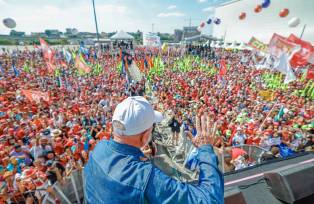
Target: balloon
[202,25]
[9,22]
[217,21]
[294,22]
[242,15]
[199,29]
[209,21]
[266,3]
[258,9]
[74,31]
[284,12]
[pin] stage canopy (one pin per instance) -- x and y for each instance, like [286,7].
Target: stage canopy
[121,35]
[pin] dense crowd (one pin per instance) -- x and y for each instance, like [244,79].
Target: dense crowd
[283,125]
[42,142]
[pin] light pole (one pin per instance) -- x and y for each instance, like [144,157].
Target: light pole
[303,29]
[97,33]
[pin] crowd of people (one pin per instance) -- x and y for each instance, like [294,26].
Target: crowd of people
[283,126]
[42,141]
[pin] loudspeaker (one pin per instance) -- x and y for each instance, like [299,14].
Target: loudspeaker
[292,184]
[234,196]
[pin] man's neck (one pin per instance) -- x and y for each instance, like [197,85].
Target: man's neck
[129,141]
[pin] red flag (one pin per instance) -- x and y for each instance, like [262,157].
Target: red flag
[51,67]
[48,52]
[223,68]
[35,46]
[63,64]
[142,65]
[310,73]
[302,57]
[36,96]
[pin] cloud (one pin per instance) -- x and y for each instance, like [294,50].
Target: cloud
[173,14]
[171,7]
[209,9]
[202,1]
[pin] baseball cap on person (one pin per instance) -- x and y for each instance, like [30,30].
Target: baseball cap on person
[134,115]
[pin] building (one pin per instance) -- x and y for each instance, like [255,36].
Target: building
[14,33]
[87,35]
[190,31]
[104,35]
[178,35]
[53,33]
[68,31]
[262,25]
[38,34]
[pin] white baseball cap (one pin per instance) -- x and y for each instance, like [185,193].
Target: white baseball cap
[134,115]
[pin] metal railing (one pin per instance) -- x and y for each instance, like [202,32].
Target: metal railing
[69,191]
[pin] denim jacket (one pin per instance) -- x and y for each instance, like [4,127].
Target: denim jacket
[115,174]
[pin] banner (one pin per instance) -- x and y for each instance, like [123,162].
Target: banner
[258,45]
[279,45]
[267,95]
[301,57]
[151,40]
[36,96]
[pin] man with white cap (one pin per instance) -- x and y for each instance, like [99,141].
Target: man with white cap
[116,172]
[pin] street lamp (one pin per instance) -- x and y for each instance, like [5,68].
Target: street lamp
[96,24]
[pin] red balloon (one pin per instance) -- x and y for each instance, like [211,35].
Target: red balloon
[284,12]
[258,8]
[242,15]
[202,24]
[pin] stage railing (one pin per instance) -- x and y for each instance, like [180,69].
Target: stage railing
[69,191]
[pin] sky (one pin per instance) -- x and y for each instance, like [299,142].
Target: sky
[112,15]
[264,24]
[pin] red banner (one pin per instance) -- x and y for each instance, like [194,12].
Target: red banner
[279,45]
[310,73]
[302,57]
[36,96]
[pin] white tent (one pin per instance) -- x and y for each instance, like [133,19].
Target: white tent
[121,35]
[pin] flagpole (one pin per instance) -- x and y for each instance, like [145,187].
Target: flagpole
[96,24]
[302,31]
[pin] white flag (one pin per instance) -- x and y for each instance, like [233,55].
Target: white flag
[285,68]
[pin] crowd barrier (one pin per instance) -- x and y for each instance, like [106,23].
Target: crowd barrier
[254,152]
[70,191]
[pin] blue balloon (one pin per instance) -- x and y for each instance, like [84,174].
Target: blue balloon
[266,3]
[217,21]
[209,21]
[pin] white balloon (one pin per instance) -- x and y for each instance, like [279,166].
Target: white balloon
[199,29]
[294,22]
[9,22]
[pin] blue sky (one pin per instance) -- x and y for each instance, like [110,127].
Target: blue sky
[128,15]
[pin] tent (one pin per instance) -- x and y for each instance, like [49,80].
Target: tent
[121,35]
